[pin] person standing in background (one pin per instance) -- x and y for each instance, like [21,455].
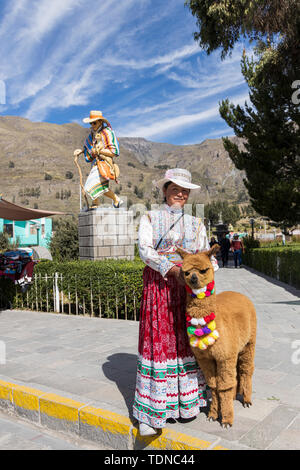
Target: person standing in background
[237,247]
[225,247]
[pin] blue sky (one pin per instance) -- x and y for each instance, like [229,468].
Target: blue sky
[135,60]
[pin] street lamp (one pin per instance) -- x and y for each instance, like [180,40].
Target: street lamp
[252,227]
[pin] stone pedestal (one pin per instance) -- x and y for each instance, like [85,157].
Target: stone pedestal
[106,233]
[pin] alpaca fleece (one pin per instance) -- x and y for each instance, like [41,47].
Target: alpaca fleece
[228,364]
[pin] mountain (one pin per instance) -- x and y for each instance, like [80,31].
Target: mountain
[37,166]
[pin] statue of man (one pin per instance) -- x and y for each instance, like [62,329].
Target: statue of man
[100,148]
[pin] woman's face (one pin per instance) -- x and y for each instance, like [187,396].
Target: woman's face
[95,125]
[176,195]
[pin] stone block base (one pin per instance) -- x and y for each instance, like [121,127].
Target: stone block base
[106,234]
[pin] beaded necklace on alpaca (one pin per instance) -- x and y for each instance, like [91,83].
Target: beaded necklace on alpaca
[209,332]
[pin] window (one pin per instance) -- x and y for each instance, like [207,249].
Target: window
[33,229]
[9,229]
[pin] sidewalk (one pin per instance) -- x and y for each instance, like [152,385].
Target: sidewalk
[76,367]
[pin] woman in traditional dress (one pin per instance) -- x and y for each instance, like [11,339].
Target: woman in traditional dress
[169,382]
[102,142]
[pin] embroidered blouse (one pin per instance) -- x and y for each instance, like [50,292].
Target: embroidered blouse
[189,233]
[109,141]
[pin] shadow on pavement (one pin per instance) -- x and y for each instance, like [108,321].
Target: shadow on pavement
[121,369]
[291,289]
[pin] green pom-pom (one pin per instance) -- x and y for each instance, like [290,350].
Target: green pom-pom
[191,330]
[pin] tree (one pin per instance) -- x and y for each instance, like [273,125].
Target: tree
[4,241]
[222,23]
[230,213]
[270,126]
[64,245]
[138,192]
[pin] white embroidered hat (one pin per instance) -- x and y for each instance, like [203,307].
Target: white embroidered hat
[179,176]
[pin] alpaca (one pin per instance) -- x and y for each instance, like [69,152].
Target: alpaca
[222,333]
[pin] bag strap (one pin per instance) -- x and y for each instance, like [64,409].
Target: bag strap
[173,225]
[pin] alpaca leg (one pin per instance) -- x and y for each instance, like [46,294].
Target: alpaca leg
[214,406]
[245,372]
[226,386]
[226,398]
[208,367]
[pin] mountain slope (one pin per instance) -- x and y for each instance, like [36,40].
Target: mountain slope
[37,166]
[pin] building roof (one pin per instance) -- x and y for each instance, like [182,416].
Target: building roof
[11,211]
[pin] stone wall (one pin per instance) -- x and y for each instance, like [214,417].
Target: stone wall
[106,233]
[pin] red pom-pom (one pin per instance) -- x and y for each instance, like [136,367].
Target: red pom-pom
[210,285]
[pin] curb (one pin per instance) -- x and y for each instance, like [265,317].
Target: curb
[90,423]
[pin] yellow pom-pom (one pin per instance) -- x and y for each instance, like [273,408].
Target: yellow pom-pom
[202,345]
[212,325]
[201,295]
[193,341]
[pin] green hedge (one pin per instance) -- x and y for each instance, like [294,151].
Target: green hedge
[282,263]
[109,288]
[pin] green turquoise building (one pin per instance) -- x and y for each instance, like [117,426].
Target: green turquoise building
[37,232]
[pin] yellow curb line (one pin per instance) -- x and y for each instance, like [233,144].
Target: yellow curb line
[89,422]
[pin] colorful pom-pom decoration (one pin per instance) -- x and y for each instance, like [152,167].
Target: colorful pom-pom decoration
[206,336]
[191,330]
[210,285]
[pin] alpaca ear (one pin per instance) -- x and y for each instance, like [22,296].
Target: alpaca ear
[182,253]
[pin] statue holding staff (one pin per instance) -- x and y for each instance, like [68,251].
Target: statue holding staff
[100,149]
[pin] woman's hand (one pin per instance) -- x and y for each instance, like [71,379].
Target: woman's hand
[176,272]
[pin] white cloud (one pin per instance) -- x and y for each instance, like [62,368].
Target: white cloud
[160,127]
[167,59]
[71,75]
[157,127]
[44,17]
[150,78]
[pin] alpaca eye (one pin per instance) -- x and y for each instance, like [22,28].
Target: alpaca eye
[203,271]
[186,273]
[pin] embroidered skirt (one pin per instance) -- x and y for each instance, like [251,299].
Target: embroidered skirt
[95,184]
[169,382]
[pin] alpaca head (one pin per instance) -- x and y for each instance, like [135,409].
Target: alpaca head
[197,268]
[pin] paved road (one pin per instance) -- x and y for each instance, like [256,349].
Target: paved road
[17,434]
[94,360]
